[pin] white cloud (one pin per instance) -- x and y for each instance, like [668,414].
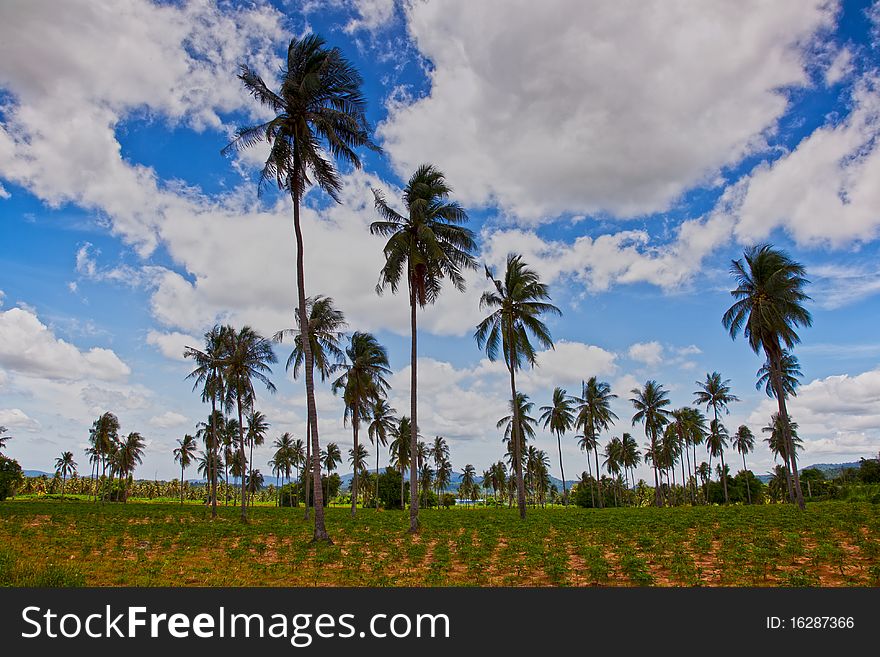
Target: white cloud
[15,418]
[372,15]
[28,346]
[589,107]
[171,345]
[835,286]
[649,353]
[824,192]
[168,420]
[841,66]
[838,416]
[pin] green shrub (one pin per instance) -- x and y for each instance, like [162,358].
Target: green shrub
[10,477]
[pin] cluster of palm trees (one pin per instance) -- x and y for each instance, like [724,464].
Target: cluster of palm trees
[319,117]
[110,454]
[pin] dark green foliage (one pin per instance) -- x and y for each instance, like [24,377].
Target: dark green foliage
[289,494]
[869,471]
[447,500]
[10,477]
[389,488]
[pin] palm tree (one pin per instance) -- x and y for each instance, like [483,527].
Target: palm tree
[208,463]
[517,303]
[439,452]
[630,454]
[426,246]
[443,475]
[715,393]
[103,435]
[400,448]
[330,458]
[64,465]
[209,374]
[525,429]
[248,358]
[287,455]
[128,456]
[777,442]
[231,455]
[650,403]
[257,426]
[744,442]
[614,460]
[716,441]
[4,438]
[382,422]
[362,383]
[594,416]
[254,483]
[357,459]
[789,375]
[325,329]
[559,418]
[468,481]
[769,307]
[183,454]
[319,110]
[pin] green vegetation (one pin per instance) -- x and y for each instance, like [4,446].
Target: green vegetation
[47,543]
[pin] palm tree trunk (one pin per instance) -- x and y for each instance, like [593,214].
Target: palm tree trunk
[181,482]
[694,446]
[413,399]
[598,476]
[564,489]
[307,472]
[517,447]
[251,468]
[244,463]
[354,480]
[797,493]
[748,483]
[320,532]
[377,472]
[215,451]
[590,472]
[724,478]
[693,493]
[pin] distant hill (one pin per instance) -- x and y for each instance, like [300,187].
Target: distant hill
[830,470]
[455,481]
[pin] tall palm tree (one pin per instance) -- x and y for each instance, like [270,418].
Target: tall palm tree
[362,383]
[439,453]
[769,307]
[357,459]
[716,441]
[594,416]
[129,455]
[789,375]
[468,481]
[425,246]
[325,329]
[330,458]
[443,475]
[286,457]
[631,454]
[64,465]
[400,449]
[614,460]
[650,403]
[559,417]
[103,436]
[319,111]
[209,375]
[715,393]
[254,483]
[517,303]
[231,455]
[247,360]
[744,442]
[525,428]
[257,426]
[382,422]
[184,454]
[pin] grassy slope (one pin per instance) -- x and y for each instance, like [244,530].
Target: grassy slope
[73,543]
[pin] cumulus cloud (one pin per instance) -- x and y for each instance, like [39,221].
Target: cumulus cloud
[646,100]
[372,15]
[168,420]
[172,344]
[28,346]
[824,192]
[649,353]
[15,418]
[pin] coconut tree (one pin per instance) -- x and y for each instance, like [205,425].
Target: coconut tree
[4,438]
[319,112]
[382,422]
[357,459]
[778,443]
[285,457]
[257,427]
[128,455]
[525,430]
[715,393]
[517,302]
[330,458]
[400,449]
[103,436]
[443,476]
[325,329]
[559,417]
[614,461]
[208,374]
[768,309]
[594,416]
[630,454]
[744,442]
[184,454]
[254,483]
[426,245]
[650,403]
[716,441]
[64,466]
[247,359]
[362,383]
[468,481]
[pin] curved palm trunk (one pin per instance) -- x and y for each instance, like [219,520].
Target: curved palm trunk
[307,472]
[658,493]
[413,399]
[244,463]
[354,480]
[320,532]
[564,489]
[598,477]
[63,484]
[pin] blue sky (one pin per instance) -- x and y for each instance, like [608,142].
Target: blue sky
[628,151]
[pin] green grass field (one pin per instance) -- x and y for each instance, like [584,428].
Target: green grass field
[76,543]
